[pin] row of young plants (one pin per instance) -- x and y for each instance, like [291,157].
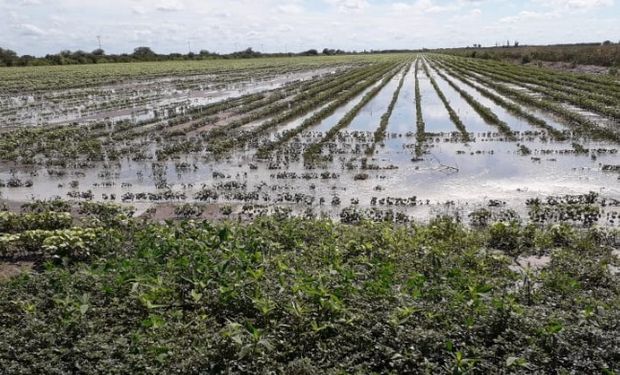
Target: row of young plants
[579,123]
[605,94]
[509,106]
[11,222]
[580,99]
[66,143]
[302,108]
[456,120]
[96,101]
[420,126]
[305,296]
[328,84]
[265,149]
[485,112]
[379,134]
[199,116]
[43,79]
[313,151]
[40,145]
[303,103]
[250,107]
[590,82]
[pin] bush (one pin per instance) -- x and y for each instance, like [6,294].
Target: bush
[526,59]
[289,295]
[506,237]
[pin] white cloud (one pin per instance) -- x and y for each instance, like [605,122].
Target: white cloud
[575,4]
[31,30]
[349,5]
[290,9]
[170,6]
[137,9]
[273,25]
[29,2]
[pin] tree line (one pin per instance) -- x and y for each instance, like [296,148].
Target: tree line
[143,54]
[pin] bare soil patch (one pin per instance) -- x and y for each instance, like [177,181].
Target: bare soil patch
[9,270]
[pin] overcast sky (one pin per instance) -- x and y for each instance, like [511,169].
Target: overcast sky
[39,27]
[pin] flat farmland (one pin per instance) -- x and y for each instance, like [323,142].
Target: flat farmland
[389,213]
[387,137]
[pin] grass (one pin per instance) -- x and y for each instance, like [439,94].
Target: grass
[118,295]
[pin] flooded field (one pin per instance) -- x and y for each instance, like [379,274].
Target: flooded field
[397,138]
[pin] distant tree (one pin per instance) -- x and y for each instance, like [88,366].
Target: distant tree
[607,43]
[144,53]
[310,52]
[7,57]
[98,52]
[516,44]
[247,53]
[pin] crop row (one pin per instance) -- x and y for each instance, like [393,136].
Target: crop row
[453,115]
[512,108]
[420,126]
[85,76]
[264,150]
[606,93]
[578,122]
[379,134]
[310,104]
[301,103]
[592,84]
[484,112]
[557,92]
[314,150]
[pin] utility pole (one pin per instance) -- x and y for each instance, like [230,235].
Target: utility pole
[189,47]
[99,40]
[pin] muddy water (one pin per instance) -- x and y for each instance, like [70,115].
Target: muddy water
[404,109]
[551,120]
[369,117]
[136,102]
[469,175]
[472,120]
[452,176]
[328,122]
[433,109]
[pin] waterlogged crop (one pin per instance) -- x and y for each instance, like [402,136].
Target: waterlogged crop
[433,266]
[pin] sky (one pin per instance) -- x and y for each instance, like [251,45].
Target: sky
[39,27]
